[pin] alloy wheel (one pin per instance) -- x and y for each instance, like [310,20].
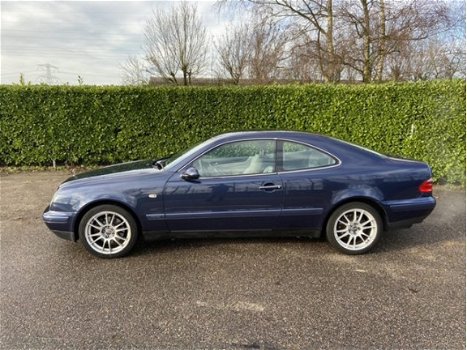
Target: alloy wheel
[355,229]
[108,232]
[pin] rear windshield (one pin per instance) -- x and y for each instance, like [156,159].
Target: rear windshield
[362,148]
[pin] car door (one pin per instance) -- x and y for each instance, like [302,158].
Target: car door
[237,190]
[306,173]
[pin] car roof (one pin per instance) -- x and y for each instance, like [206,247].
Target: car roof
[270,134]
[339,148]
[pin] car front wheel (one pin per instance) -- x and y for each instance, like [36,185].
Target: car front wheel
[354,228]
[108,231]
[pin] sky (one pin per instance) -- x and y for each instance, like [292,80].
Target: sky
[91,39]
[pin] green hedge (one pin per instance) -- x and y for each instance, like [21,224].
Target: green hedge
[101,125]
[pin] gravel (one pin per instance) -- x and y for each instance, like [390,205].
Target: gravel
[229,294]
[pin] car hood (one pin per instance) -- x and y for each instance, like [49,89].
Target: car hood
[117,170]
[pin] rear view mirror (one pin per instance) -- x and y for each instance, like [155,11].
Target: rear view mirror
[190,174]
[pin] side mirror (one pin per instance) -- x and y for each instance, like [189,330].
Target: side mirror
[190,174]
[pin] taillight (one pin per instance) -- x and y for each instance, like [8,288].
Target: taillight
[426,186]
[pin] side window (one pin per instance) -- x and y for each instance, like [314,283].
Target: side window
[237,158]
[296,156]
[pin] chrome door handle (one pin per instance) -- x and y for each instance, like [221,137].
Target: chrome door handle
[270,187]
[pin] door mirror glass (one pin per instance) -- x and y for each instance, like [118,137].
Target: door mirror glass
[190,174]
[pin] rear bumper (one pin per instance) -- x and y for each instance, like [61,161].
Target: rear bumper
[405,213]
[60,223]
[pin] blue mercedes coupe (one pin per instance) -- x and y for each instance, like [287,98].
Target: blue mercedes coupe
[245,184]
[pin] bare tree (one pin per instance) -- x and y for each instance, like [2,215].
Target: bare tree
[432,59]
[304,62]
[134,72]
[363,36]
[315,20]
[234,50]
[425,41]
[380,29]
[268,43]
[255,50]
[175,42]
[356,18]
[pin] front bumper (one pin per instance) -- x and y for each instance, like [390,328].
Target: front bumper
[60,223]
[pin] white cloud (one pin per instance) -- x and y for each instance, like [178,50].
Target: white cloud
[90,39]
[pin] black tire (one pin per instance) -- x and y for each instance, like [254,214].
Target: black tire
[346,224]
[119,235]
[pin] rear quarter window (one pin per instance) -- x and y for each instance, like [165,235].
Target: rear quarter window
[297,156]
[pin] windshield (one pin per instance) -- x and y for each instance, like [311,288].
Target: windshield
[177,159]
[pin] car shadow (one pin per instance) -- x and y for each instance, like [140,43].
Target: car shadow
[166,245]
[395,240]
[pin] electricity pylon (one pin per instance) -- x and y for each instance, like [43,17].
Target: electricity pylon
[48,77]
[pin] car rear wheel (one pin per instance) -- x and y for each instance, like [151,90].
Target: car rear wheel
[354,228]
[108,231]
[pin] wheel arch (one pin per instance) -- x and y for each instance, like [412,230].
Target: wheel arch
[96,203]
[362,199]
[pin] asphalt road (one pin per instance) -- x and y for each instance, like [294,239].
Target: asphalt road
[229,294]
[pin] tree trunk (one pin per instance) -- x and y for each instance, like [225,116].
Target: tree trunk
[382,40]
[366,43]
[332,71]
[185,77]
[323,69]
[173,78]
[190,73]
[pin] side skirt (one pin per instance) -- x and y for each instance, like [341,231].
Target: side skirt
[157,235]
